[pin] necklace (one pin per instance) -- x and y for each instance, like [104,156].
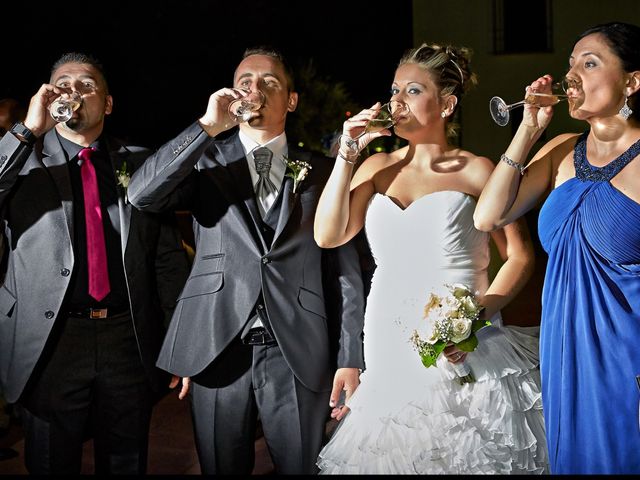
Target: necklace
[588,173]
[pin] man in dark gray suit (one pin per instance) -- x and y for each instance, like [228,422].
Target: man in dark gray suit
[256,327]
[80,317]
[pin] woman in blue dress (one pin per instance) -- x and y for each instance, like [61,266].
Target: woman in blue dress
[590,227]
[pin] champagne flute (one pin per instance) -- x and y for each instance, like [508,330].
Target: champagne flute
[63,107]
[386,117]
[499,109]
[241,109]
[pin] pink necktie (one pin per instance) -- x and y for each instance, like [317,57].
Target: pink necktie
[96,250]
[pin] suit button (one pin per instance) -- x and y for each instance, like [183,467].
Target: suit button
[266,260]
[49,314]
[64,272]
[3,158]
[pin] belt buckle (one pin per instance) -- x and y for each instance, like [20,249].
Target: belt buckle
[259,336]
[98,313]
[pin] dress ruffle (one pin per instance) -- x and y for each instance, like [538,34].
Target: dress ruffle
[491,426]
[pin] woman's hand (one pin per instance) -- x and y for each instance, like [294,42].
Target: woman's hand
[354,137]
[538,117]
[453,354]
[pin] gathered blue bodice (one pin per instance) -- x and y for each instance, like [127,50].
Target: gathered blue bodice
[590,328]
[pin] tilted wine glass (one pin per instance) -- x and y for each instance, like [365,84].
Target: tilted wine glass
[386,117]
[499,109]
[63,107]
[241,109]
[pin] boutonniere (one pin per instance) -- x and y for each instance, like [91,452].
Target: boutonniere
[123,176]
[297,170]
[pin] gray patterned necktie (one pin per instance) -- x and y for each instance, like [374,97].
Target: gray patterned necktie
[266,191]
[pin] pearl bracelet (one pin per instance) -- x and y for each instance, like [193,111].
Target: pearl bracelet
[511,163]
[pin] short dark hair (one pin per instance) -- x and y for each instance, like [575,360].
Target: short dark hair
[77,57]
[272,52]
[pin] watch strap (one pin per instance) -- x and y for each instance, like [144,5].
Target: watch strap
[22,133]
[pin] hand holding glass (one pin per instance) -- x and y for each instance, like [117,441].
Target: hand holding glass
[63,107]
[386,117]
[241,109]
[500,110]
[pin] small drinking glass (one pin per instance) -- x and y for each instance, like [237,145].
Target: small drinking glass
[499,109]
[387,117]
[241,109]
[63,107]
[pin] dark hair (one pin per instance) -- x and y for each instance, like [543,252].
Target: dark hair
[449,67]
[276,54]
[624,41]
[76,57]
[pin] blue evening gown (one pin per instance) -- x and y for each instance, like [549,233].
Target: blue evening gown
[590,330]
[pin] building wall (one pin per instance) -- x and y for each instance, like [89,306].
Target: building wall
[470,23]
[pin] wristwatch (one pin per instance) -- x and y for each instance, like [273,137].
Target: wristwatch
[23,134]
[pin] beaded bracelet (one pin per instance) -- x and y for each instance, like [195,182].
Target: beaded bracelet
[511,163]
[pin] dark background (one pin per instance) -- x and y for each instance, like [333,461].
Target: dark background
[164,59]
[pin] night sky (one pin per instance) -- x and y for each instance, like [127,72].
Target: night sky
[164,59]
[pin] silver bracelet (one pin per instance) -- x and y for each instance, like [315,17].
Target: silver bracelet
[353,160]
[511,163]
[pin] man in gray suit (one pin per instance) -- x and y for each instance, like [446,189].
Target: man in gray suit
[80,317]
[256,331]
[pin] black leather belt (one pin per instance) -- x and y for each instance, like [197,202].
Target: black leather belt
[97,312]
[258,336]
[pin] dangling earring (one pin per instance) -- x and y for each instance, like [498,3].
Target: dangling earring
[625,112]
[443,114]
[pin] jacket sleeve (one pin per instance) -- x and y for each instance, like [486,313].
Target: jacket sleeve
[13,155]
[163,181]
[172,264]
[345,297]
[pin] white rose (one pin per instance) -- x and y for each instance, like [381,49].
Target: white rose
[429,332]
[461,329]
[123,178]
[459,290]
[469,305]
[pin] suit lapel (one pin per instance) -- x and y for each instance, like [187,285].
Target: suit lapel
[233,158]
[290,199]
[55,160]
[117,156]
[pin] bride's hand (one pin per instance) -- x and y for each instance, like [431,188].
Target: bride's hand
[347,380]
[354,129]
[453,354]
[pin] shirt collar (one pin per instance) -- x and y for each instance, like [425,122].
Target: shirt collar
[71,148]
[278,145]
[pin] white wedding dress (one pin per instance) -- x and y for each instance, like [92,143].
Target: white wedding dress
[406,418]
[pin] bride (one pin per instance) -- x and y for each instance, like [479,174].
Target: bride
[417,205]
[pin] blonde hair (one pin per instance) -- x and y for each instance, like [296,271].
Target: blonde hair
[450,70]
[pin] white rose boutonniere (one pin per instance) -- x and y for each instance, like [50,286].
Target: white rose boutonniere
[123,177]
[297,170]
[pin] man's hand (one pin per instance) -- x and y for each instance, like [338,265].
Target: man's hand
[347,380]
[186,382]
[38,119]
[217,119]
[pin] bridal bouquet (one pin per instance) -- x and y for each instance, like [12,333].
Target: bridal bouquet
[453,318]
